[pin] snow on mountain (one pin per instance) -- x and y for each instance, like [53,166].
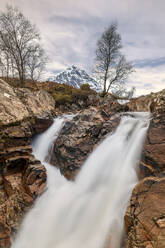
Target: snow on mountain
[75,77]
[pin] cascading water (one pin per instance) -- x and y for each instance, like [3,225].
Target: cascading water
[88,212]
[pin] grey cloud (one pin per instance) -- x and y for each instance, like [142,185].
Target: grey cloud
[148,85]
[70,29]
[75,20]
[149,63]
[130,44]
[83,33]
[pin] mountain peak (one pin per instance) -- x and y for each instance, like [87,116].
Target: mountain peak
[73,67]
[75,77]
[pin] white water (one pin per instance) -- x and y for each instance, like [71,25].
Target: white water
[90,210]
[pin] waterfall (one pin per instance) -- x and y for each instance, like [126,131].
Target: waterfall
[88,212]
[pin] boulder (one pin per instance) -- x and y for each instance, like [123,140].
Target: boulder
[145,216]
[37,102]
[79,137]
[19,104]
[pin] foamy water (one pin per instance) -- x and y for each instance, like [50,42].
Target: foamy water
[89,211]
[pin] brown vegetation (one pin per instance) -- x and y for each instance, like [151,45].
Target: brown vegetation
[62,93]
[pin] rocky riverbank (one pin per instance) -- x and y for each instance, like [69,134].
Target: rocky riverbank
[25,112]
[145,216]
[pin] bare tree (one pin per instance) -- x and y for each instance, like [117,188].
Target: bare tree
[18,37]
[111,67]
[36,63]
[121,92]
[2,67]
[5,64]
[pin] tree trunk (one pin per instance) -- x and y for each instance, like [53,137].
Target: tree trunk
[105,82]
[22,80]
[7,69]
[21,77]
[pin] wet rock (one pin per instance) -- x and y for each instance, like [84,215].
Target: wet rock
[78,138]
[153,157]
[22,180]
[34,179]
[145,216]
[42,123]
[4,235]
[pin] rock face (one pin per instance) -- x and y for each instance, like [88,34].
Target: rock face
[145,216]
[19,104]
[24,113]
[19,187]
[153,158]
[153,102]
[79,136]
[22,178]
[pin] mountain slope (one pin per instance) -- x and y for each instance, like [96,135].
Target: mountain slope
[75,77]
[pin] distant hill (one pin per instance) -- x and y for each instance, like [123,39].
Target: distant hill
[75,77]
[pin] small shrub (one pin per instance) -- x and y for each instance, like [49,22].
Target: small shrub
[62,99]
[85,87]
[79,95]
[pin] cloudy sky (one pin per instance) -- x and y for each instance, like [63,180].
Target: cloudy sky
[70,29]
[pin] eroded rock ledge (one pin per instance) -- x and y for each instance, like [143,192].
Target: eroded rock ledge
[22,178]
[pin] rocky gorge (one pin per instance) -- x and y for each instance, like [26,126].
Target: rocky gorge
[24,113]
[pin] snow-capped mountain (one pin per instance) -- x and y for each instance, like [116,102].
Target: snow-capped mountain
[75,77]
